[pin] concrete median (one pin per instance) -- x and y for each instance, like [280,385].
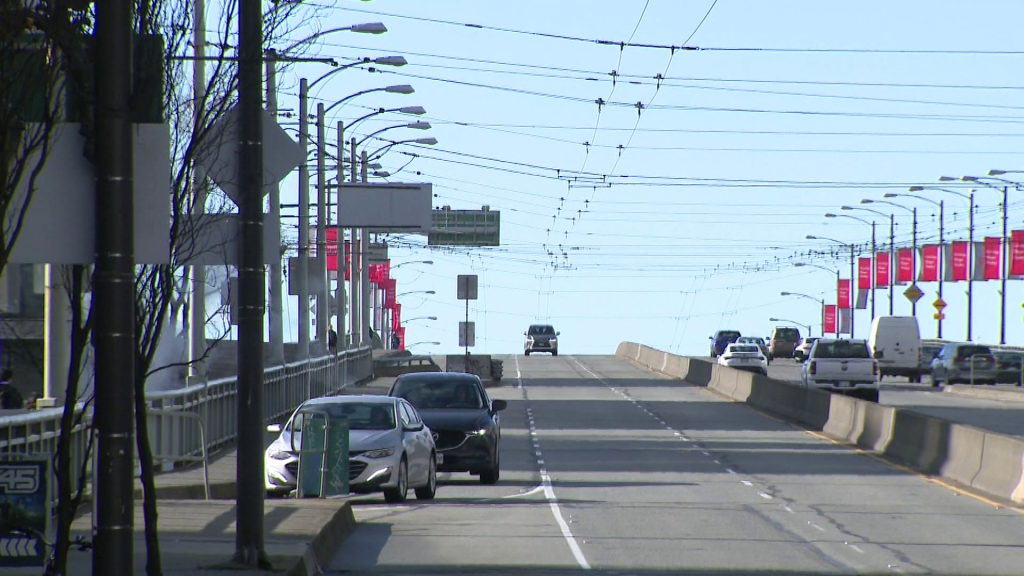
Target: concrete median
[987,462]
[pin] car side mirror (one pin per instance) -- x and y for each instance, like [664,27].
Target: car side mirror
[498,405]
[274,428]
[524,333]
[413,427]
[711,337]
[558,333]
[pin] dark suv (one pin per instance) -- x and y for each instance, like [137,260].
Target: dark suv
[721,340]
[462,418]
[541,338]
[784,341]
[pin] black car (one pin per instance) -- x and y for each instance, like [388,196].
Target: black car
[1009,366]
[462,417]
[721,340]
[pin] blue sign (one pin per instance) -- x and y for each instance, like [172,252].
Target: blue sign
[24,509]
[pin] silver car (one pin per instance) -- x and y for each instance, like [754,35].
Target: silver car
[390,449]
[964,362]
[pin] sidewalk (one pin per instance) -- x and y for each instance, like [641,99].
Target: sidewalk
[1001,392]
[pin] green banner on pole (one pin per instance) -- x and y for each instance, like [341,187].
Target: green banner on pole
[319,432]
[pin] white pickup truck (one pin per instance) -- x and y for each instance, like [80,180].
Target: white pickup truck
[842,366]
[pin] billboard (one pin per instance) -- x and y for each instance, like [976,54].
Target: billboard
[465,228]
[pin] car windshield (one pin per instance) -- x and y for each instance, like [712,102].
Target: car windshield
[743,349]
[968,351]
[841,349]
[360,415]
[541,331]
[437,394]
[787,334]
[750,340]
[930,351]
[728,335]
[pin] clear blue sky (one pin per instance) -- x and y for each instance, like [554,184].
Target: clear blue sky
[694,233]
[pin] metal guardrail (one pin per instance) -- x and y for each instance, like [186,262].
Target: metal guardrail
[214,404]
[204,458]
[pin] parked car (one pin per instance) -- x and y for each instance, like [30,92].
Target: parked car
[804,348]
[744,357]
[964,362]
[759,342]
[928,353]
[464,420]
[390,449]
[843,367]
[721,339]
[1009,367]
[784,341]
[896,344]
[541,338]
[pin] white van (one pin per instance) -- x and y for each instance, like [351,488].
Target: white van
[896,344]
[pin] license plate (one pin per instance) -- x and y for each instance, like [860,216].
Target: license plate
[440,458]
[844,384]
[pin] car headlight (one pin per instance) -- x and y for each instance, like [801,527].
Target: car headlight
[480,432]
[379,453]
[278,454]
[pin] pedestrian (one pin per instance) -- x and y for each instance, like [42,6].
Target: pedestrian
[332,338]
[10,397]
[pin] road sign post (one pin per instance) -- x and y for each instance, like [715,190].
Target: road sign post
[467,290]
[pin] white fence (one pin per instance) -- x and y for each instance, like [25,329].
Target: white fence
[284,388]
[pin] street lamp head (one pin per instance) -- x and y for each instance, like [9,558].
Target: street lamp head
[381,173]
[374,166]
[846,208]
[418,125]
[371,28]
[427,141]
[400,89]
[994,172]
[867,201]
[391,61]
[916,189]
[799,264]
[890,195]
[784,293]
[431,317]
[810,237]
[969,178]
[947,179]
[417,110]
[829,215]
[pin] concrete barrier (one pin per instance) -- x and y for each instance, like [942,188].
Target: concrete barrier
[988,462]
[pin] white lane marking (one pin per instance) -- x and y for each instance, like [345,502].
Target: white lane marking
[705,453]
[765,496]
[730,470]
[549,492]
[854,546]
[531,492]
[388,508]
[519,376]
[684,438]
[815,526]
[788,509]
[540,461]
[717,462]
[747,482]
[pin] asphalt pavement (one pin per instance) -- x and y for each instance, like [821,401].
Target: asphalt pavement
[609,467]
[997,416]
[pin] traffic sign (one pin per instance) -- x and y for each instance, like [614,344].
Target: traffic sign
[913,293]
[939,316]
[939,304]
[25,498]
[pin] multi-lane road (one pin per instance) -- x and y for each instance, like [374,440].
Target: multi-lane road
[995,415]
[612,468]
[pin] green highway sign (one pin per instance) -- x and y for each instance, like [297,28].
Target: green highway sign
[465,227]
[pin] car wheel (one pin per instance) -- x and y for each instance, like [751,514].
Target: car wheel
[933,380]
[427,492]
[554,352]
[491,475]
[527,352]
[398,494]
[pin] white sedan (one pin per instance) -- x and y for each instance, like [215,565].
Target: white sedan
[744,357]
[390,449]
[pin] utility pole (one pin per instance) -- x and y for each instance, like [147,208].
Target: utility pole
[941,263]
[364,269]
[302,274]
[355,266]
[322,302]
[853,302]
[339,296]
[913,264]
[970,267]
[114,292]
[274,197]
[892,260]
[1005,273]
[873,275]
[197,309]
[249,543]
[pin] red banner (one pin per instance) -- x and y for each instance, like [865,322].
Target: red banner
[348,260]
[830,319]
[930,263]
[905,265]
[1017,253]
[864,273]
[882,273]
[960,257]
[390,288]
[396,318]
[331,237]
[401,338]
[993,257]
[843,294]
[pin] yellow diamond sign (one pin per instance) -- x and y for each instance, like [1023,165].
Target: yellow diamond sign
[913,293]
[939,304]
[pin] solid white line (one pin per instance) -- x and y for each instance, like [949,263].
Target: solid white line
[531,492]
[519,376]
[747,482]
[549,492]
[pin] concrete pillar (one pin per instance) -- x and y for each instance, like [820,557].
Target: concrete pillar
[56,338]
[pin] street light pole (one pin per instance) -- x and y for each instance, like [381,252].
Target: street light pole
[970,269]
[913,265]
[302,274]
[1005,273]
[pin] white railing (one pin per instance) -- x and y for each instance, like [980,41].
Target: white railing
[285,387]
